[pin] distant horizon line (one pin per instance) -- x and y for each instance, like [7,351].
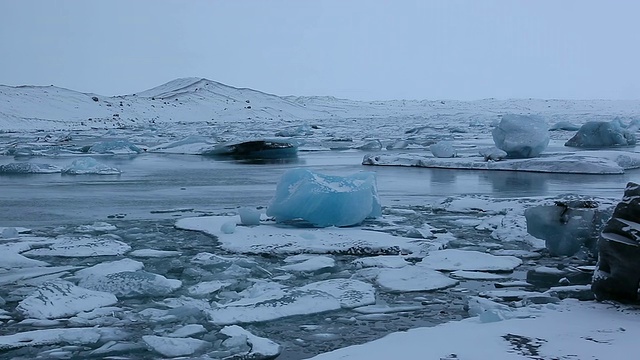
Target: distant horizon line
[196,79]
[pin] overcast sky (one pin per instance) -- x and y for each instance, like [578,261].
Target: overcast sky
[365,50]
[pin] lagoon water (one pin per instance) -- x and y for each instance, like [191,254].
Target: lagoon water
[156,189]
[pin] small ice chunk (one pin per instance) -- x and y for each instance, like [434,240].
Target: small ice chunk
[521,136]
[315,263]
[324,200]
[61,298]
[188,330]
[228,227]
[249,216]
[493,154]
[454,259]
[443,149]
[9,233]
[413,278]
[174,347]
[89,166]
[261,348]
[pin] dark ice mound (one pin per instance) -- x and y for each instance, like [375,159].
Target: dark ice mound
[599,134]
[256,149]
[617,274]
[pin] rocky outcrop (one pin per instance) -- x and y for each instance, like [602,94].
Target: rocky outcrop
[617,274]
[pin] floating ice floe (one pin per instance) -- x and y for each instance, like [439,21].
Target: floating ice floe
[270,302]
[115,147]
[583,162]
[83,246]
[260,348]
[17,275]
[382,261]
[28,168]
[454,259]
[602,134]
[307,263]
[91,166]
[208,287]
[59,298]
[413,278]
[109,267]
[96,227]
[174,347]
[194,145]
[132,284]
[70,336]
[271,239]
[324,200]
[153,253]
[476,275]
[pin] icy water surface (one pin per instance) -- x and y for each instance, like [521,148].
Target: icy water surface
[154,190]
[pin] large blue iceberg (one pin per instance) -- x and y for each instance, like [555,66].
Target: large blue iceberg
[309,198]
[521,136]
[598,134]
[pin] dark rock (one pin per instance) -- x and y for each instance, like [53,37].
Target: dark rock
[617,273]
[94,98]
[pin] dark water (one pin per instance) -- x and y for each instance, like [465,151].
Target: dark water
[158,182]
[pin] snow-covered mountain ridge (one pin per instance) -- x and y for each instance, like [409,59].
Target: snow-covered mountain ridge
[203,100]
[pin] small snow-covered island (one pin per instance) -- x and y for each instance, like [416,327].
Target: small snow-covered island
[199,220]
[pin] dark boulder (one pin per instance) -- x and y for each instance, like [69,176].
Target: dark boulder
[617,274]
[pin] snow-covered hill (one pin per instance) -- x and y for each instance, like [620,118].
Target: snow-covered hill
[200,100]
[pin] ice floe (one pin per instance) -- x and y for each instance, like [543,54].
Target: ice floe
[273,239]
[28,168]
[584,162]
[132,284]
[274,302]
[174,347]
[61,298]
[70,336]
[454,259]
[413,278]
[83,246]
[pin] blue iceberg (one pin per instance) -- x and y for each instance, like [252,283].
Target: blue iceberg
[310,198]
[521,136]
[598,134]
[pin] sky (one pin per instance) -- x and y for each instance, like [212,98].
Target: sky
[356,49]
